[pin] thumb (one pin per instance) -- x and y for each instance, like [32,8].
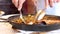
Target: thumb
[46,3]
[20,4]
[51,3]
[15,2]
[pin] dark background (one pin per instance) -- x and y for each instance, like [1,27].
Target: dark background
[8,7]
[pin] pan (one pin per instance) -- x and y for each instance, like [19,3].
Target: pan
[35,27]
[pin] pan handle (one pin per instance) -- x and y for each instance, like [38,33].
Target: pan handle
[3,20]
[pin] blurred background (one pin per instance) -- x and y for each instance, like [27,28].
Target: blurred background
[8,7]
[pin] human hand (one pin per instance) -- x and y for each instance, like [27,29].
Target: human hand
[18,3]
[51,2]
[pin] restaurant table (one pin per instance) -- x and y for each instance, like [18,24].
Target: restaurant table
[29,32]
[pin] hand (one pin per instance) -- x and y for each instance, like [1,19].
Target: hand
[18,3]
[51,2]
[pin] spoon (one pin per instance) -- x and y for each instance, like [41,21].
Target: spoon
[40,14]
[21,16]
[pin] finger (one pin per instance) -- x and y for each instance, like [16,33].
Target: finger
[57,0]
[15,2]
[35,2]
[46,3]
[20,4]
[51,3]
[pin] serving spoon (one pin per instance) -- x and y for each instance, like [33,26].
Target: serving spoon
[39,15]
[21,17]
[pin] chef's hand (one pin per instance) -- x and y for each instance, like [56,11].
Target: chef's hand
[51,2]
[18,3]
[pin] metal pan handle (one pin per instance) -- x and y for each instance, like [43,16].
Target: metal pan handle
[3,20]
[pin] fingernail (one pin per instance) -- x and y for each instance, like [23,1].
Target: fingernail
[19,9]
